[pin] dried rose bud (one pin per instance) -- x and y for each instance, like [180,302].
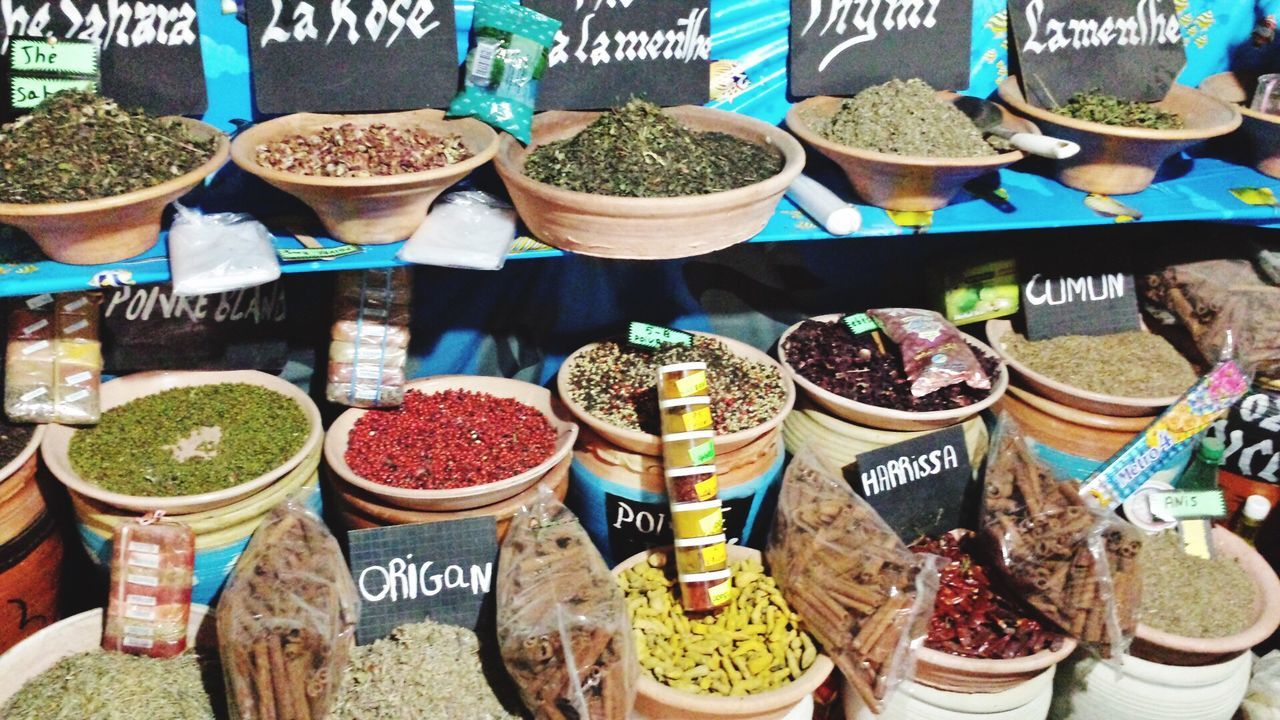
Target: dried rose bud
[349,150]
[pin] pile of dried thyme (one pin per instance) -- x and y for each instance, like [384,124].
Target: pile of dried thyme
[1095,106]
[1130,364]
[905,117]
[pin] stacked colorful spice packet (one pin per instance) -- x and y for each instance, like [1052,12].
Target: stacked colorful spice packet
[370,338]
[53,366]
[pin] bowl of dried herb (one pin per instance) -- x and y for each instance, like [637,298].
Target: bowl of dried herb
[89,180]
[647,183]
[369,178]
[1123,144]
[1261,131]
[903,145]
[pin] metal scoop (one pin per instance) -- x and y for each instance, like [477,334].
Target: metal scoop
[988,117]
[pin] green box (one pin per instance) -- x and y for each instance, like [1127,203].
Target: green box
[975,293]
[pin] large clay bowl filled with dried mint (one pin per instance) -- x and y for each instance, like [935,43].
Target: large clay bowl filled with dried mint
[89,181]
[1121,156]
[1260,130]
[611,388]
[1204,612]
[825,352]
[370,178]
[458,442]
[639,182]
[185,442]
[1131,374]
[920,167]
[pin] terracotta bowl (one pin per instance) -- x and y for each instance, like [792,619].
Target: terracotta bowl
[1093,402]
[57,440]
[1117,160]
[970,675]
[646,228]
[898,182]
[1169,649]
[336,441]
[656,701]
[92,232]
[11,468]
[646,444]
[370,210]
[1260,130]
[888,418]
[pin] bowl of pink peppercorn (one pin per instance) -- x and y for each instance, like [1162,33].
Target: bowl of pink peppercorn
[458,442]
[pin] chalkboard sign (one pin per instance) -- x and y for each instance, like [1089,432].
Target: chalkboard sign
[919,485]
[351,55]
[1132,49]
[437,570]
[635,525]
[607,51]
[149,51]
[1080,305]
[840,47]
[1251,436]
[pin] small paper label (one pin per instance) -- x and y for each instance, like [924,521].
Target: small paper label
[366,371]
[138,642]
[699,419]
[76,326]
[35,327]
[35,347]
[703,454]
[144,580]
[1195,538]
[366,393]
[712,524]
[655,336]
[33,394]
[39,301]
[713,555]
[75,305]
[720,594]
[65,57]
[145,560]
[79,378]
[28,92]
[708,488]
[136,612]
[76,396]
[691,385]
[860,323]
[143,600]
[144,547]
[1186,505]
[328,253]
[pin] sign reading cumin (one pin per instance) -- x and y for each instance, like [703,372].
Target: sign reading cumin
[1133,49]
[918,486]
[1099,304]
[839,47]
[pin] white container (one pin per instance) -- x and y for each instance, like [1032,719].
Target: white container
[1143,690]
[913,701]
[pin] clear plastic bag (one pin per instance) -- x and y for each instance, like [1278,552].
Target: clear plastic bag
[53,362]
[856,586]
[467,229]
[149,600]
[1077,566]
[287,619]
[934,354]
[370,335]
[219,252]
[562,620]
[1263,699]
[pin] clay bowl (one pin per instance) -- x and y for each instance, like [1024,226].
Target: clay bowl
[19,461]
[1118,160]
[970,675]
[369,210]
[887,418]
[335,448]
[92,232]
[898,182]
[646,228]
[1093,402]
[646,444]
[1169,649]
[57,440]
[655,701]
[1261,131]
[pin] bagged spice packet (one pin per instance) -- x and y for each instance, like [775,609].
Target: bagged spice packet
[53,363]
[856,586]
[370,338]
[934,354]
[509,53]
[562,620]
[287,619]
[149,603]
[1078,567]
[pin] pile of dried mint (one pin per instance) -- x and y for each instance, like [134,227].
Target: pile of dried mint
[905,117]
[1131,364]
[639,151]
[1191,596]
[101,685]
[1099,107]
[350,150]
[79,146]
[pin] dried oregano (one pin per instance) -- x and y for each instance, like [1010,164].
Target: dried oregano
[905,117]
[101,685]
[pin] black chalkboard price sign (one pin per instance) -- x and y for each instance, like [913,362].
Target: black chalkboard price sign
[1099,304]
[1251,435]
[351,55]
[840,47]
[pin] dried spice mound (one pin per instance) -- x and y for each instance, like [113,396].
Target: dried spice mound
[13,438]
[639,151]
[617,383]
[1191,596]
[190,440]
[421,670]
[970,618]
[1132,364]
[79,146]
[1099,107]
[905,117]
[829,355]
[99,685]
[350,150]
[449,439]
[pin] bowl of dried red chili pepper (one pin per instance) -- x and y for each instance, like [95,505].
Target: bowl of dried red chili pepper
[979,640]
[458,442]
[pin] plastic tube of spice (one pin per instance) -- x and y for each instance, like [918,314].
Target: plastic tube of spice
[152,569]
[704,592]
[692,484]
[682,380]
[687,449]
[685,414]
[701,555]
[698,519]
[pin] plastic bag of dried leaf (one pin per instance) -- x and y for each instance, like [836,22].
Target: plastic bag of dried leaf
[287,619]
[861,592]
[562,619]
[1078,567]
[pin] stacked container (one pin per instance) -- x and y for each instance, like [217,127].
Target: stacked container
[370,338]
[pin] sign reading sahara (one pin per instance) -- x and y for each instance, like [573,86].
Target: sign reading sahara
[352,55]
[149,51]
[1133,48]
[1080,305]
[839,47]
[607,51]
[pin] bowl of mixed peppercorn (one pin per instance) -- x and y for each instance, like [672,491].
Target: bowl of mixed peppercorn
[370,178]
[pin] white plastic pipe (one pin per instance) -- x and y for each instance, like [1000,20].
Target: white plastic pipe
[835,215]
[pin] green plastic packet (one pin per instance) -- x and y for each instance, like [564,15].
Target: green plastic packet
[509,50]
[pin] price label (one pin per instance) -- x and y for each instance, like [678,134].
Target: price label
[860,323]
[1187,505]
[324,253]
[39,68]
[656,337]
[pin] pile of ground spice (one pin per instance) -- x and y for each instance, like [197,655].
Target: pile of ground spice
[98,685]
[1132,364]
[1099,107]
[13,439]
[350,150]
[905,117]
[1191,596]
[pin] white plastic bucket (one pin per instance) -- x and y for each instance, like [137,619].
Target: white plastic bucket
[1089,689]
[913,701]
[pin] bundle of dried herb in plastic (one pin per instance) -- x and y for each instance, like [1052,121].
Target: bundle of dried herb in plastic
[1099,107]
[639,151]
[79,146]
[905,117]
